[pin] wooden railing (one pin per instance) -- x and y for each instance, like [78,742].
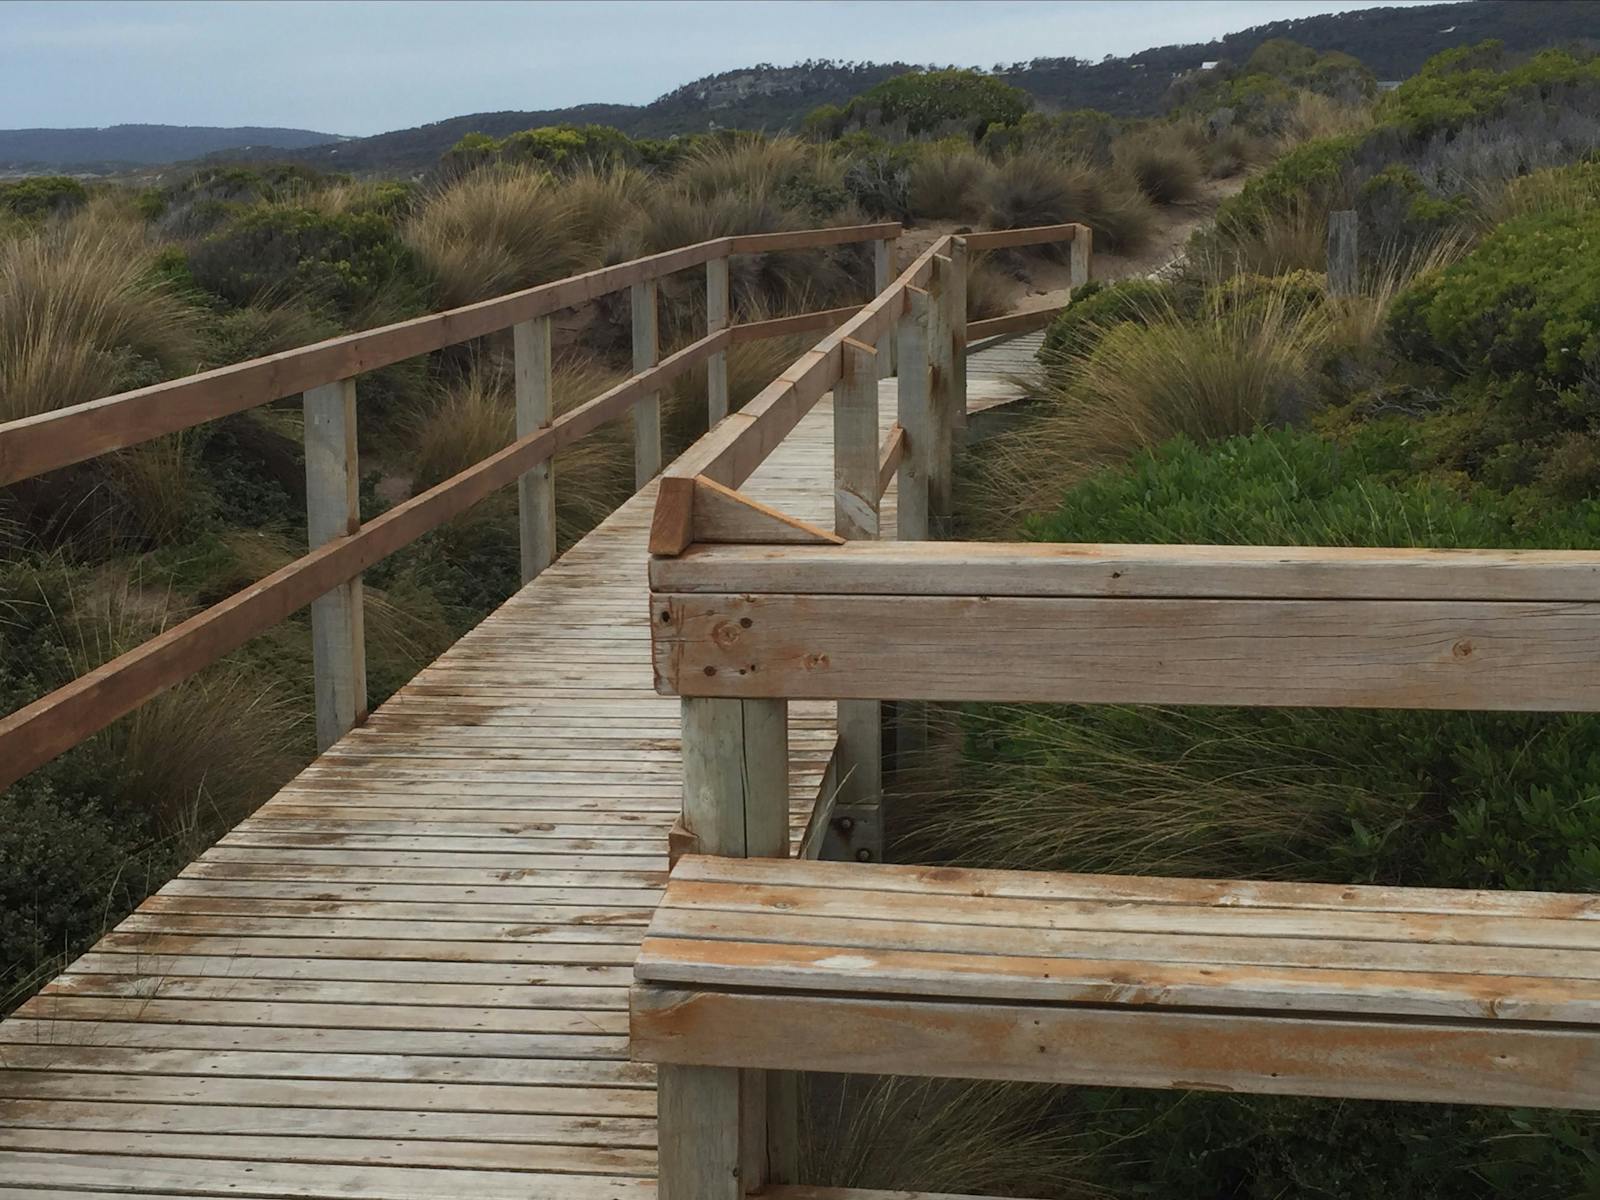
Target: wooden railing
[752,609]
[919,316]
[342,545]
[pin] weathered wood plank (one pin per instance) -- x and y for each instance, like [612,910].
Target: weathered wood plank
[1145,572]
[1501,1063]
[1362,653]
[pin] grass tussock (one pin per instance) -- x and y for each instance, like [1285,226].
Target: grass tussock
[1101,791]
[991,1139]
[493,232]
[989,289]
[201,755]
[948,184]
[83,314]
[1166,168]
[1039,189]
[1229,369]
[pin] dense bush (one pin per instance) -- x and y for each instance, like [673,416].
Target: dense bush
[42,196]
[349,261]
[1524,307]
[928,101]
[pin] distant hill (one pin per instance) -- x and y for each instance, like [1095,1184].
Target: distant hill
[119,146]
[1393,42]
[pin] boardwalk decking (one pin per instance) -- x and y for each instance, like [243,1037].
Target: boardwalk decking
[405,977]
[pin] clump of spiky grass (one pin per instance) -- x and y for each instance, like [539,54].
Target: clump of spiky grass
[605,203]
[475,417]
[948,183]
[1151,791]
[752,165]
[1000,1139]
[1227,370]
[1032,188]
[491,232]
[1166,168]
[1294,238]
[83,315]
[1315,116]
[989,289]
[200,755]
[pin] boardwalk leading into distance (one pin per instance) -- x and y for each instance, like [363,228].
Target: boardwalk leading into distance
[405,977]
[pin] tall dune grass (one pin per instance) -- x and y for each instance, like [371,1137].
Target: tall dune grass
[83,315]
[1032,188]
[493,231]
[1227,370]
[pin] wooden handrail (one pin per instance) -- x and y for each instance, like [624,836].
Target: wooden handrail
[732,451]
[37,733]
[1023,322]
[47,441]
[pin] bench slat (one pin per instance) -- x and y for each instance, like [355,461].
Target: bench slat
[1225,893]
[913,974]
[1127,916]
[847,935]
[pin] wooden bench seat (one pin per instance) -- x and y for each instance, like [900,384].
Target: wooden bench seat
[1318,990]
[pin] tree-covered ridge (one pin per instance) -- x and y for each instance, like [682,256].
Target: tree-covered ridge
[1392,42]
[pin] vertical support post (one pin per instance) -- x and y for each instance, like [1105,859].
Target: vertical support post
[1081,252]
[956,296]
[536,487]
[915,415]
[942,398]
[914,412]
[723,1133]
[698,1114]
[1342,277]
[858,806]
[883,271]
[647,410]
[716,319]
[333,510]
[855,444]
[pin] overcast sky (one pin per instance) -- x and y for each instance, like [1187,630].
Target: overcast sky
[364,66]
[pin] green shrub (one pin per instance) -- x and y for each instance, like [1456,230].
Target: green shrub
[1097,307]
[1524,306]
[1465,84]
[349,261]
[928,100]
[43,196]
[1396,207]
[1313,174]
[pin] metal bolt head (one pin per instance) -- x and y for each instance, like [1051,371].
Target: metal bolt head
[863,855]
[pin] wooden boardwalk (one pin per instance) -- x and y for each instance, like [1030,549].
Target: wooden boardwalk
[405,977]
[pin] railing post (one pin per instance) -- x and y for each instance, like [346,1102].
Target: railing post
[942,397]
[883,270]
[536,489]
[725,1132]
[333,510]
[1082,247]
[1342,228]
[717,318]
[914,411]
[647,411]
[855,516]
[956,296]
